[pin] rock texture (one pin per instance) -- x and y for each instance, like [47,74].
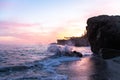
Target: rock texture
[103,32]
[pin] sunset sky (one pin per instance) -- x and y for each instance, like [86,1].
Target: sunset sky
[44,21]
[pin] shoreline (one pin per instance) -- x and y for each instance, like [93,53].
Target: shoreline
[98,69]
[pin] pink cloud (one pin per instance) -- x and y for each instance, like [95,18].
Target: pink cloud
[27,38]
[15,24]
[24,33]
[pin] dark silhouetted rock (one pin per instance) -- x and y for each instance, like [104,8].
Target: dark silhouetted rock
[73,54]
[109,53]
[104,32]
[77,54]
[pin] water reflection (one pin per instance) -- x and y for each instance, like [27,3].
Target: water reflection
[99,69]
[89,68]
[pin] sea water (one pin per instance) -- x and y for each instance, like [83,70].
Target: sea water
[34,62]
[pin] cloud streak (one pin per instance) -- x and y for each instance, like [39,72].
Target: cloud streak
[15,24]
[25,33]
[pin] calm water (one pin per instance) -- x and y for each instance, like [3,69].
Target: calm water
[35,63]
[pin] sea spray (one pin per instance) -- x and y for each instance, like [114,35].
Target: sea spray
[59,50]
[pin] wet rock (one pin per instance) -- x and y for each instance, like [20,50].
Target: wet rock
[104,32]
[109,53]
[70,54]
[77,54]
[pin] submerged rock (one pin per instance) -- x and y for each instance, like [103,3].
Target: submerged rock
[104,32]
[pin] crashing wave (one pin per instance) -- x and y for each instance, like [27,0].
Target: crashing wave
[63,51]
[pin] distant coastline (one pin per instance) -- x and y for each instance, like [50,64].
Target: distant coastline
[74,41]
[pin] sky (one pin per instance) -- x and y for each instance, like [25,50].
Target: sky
[44,21]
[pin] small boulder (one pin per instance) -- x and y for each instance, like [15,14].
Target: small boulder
[77,54]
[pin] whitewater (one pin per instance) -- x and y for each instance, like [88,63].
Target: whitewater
[40,62]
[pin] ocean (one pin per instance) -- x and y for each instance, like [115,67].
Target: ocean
[39,62]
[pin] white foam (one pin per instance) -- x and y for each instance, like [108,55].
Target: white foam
[58,61]
[50,64]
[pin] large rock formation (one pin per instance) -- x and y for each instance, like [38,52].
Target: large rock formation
[104,33]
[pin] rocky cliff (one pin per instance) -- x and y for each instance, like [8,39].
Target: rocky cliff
[104,33]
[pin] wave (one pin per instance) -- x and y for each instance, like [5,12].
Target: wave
[39,69]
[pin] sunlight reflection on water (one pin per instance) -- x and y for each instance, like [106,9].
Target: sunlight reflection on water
[88,68]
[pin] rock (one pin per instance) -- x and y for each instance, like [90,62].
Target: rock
[104,32]
[109,53]
[77,54]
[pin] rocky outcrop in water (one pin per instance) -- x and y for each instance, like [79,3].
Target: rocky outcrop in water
[104,33]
